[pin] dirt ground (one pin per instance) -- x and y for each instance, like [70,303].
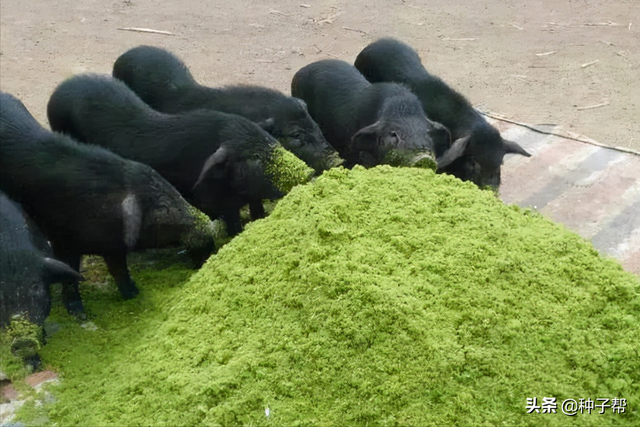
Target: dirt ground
[526,60]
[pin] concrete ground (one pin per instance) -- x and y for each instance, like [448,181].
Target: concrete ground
[592,189]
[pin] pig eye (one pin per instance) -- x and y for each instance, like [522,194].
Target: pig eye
[393,134]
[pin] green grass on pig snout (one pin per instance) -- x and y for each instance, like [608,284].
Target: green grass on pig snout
[387,296]
[423,159]
[286,170]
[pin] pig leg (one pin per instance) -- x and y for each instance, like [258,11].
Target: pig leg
[232,219]
[256,209]
[70,290]
[117,266]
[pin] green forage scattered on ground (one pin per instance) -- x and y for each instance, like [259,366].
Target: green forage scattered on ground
[21,339]
[287,170]
[383,296]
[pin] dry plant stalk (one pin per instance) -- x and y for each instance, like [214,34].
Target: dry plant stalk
[589,107]
[589,63]
[146,30]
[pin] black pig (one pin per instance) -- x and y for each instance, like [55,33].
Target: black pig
[27,270]
[164,82]
[477,158]
[88,200]
[368,124]
[217,161]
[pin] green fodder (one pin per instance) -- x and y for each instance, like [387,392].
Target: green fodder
[387,296]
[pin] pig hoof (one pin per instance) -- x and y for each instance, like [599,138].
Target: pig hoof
[80,315]
[76,309]
[130,291]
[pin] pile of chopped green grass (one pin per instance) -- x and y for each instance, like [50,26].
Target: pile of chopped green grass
[387,296]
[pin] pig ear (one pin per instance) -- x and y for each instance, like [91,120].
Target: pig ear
[267,125]
[514,148]
[362,138]
[59,271]
[454,152]
[215,163]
